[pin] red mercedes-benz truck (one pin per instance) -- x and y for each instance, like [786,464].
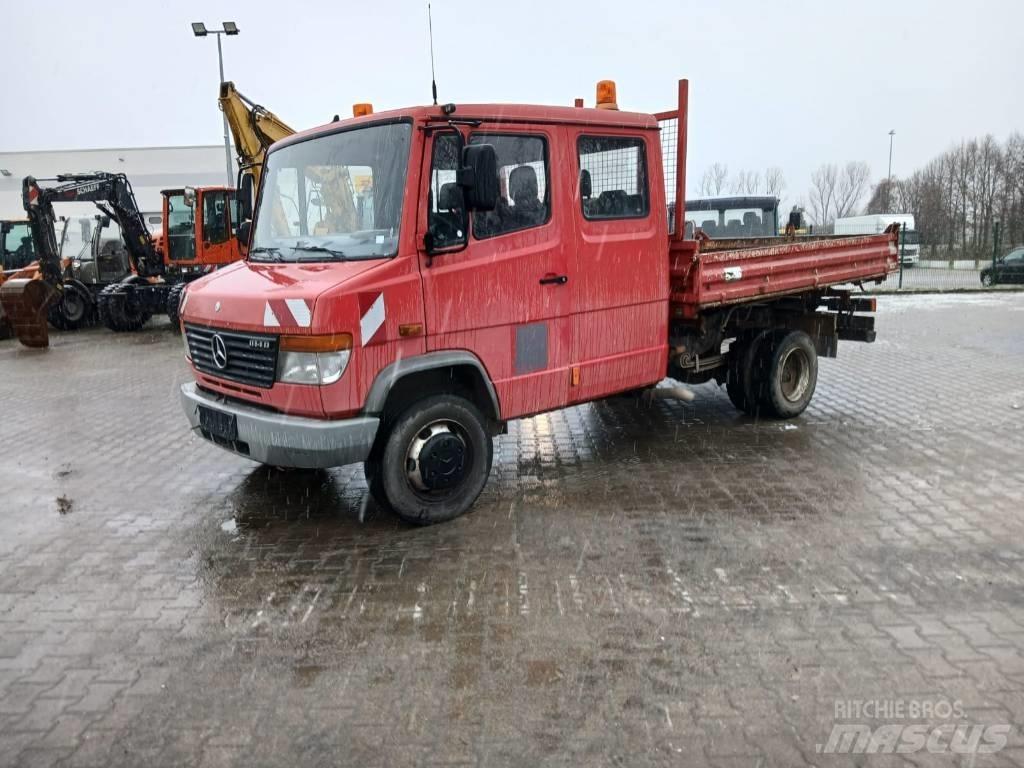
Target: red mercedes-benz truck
[419,277]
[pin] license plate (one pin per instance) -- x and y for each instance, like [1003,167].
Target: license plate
[219,424]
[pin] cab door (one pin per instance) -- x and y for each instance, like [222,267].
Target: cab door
[620,296]
[501,288]
[215,241]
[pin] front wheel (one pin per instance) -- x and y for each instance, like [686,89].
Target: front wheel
[436,460]
[173,305]
[72,310]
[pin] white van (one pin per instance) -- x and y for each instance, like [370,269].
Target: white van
[876,223]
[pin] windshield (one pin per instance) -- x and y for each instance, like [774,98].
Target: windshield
[334,197]
[19,249]
[181,228]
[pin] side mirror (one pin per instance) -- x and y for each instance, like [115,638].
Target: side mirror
[478,177]
[244,231]
[246,194]
[190,196]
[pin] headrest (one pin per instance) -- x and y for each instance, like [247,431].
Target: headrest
[586,186]
[522,184]
[449,197]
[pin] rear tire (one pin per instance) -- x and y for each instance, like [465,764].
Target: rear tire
[739,376]
[435,461]
[116,311]
[986,279]
[786,374]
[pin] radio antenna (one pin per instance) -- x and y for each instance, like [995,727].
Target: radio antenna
[433,79]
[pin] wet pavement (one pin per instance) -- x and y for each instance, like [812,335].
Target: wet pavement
[671,584]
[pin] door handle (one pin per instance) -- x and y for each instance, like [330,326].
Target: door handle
[554,280]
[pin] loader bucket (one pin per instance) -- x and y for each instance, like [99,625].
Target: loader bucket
[25,302]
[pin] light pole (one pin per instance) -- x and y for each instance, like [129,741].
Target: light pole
[888,183]
[227,28]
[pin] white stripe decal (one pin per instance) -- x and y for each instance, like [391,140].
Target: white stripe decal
[269,318]
[300,311]
[371,322]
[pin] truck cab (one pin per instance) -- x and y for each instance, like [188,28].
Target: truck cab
[379,273]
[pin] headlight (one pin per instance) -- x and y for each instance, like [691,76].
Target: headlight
[313,359]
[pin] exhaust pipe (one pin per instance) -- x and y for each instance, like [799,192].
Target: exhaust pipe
[678,392]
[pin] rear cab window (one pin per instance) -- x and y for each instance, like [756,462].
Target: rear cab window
[612,177]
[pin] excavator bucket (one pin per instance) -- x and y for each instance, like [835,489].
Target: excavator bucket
[25,302]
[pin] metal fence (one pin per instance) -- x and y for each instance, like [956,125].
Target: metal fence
[938,269]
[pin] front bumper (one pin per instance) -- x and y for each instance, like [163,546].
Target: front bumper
[282,440]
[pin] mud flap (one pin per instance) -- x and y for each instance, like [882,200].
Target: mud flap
[25,302]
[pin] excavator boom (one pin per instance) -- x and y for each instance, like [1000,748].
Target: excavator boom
[253,129]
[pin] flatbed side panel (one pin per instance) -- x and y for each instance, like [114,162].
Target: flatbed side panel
[701,280]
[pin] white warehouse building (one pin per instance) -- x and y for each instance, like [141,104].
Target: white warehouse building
[149,169]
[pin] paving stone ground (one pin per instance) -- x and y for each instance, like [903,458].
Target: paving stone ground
[664,585]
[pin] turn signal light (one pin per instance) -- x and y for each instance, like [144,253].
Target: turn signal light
[361,110]
[606,95]
[331,342]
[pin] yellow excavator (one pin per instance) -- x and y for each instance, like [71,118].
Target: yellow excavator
[253,129]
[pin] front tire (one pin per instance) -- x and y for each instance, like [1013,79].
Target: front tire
[173,306]
[435,462]
[72,310]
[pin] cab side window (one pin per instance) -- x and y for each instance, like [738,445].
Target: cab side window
[215,217]
[524,200]
[613,177]
[446,212]
[232,212]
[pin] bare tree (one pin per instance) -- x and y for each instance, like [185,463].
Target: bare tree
[753,185]
[822,194]
[713,181]
[853,183]
[774,182]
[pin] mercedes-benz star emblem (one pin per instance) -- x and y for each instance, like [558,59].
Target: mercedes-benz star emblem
[220,351]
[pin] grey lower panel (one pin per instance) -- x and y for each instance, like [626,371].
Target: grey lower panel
[531,348]
[281,440]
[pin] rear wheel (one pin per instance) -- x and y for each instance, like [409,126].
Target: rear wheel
[739,377]
[785,374]
[435,461]
[117,312]
[986,279]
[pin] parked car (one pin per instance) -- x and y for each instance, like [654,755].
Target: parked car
[1008,269]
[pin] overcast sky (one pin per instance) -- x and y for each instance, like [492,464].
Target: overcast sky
[772,83]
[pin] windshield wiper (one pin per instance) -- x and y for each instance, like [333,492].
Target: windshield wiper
[335,254]
[274,254]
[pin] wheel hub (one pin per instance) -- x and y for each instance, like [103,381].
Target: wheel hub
[437,458]
[795,375]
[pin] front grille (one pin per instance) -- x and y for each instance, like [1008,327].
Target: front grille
[251,357]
